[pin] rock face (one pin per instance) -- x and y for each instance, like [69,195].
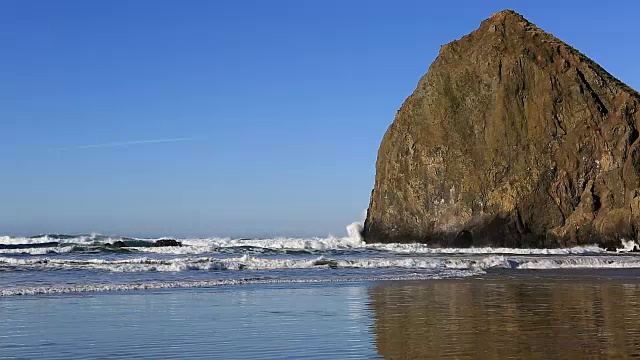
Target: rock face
[512,138]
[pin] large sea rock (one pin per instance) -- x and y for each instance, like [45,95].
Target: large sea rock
[512,138]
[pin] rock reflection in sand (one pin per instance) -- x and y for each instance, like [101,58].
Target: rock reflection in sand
[523,318]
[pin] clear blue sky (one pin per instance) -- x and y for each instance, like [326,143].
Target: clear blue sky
[284,104]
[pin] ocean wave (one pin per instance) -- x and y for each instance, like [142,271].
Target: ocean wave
[275,245]
[145,264]
[83,288]
[578,263]
[318,246]
[92,239]
[425,249]
[628,246]
[191,246]
[40,250]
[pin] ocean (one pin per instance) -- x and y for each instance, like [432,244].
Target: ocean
[77,296]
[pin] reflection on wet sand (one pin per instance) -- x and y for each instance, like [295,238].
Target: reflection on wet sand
[520,318]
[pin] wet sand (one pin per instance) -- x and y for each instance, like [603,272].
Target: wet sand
[576,314]
[571,314]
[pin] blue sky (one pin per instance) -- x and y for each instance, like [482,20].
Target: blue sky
[279,106]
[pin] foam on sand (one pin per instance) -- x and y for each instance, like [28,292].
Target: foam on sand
[83,288]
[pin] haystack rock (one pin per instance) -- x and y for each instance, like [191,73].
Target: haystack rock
[512,138]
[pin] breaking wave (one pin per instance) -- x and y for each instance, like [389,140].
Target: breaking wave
[628,246]
[246,262]
[353,242]
[58,263]
[82,288]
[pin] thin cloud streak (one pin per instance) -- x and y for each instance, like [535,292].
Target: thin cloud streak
[125,143]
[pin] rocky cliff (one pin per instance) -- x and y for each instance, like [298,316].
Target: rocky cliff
[512,138]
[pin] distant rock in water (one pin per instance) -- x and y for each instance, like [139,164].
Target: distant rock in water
[117,244]
[512,138]
[166,242]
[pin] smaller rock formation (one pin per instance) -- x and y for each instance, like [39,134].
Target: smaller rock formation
[117,244]
[166,242]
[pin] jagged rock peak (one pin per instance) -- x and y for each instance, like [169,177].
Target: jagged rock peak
[500,16]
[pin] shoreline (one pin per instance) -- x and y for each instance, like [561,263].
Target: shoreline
[505,276]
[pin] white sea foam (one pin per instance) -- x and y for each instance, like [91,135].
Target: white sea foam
[199,246]
[579,263]
[628,246]
[435,267]
[354,232]
[79,240]
[330,243]
[353,241]
[425,249]
[82,288]
[38,250]
[144,264]
[210,263]
[203,246]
